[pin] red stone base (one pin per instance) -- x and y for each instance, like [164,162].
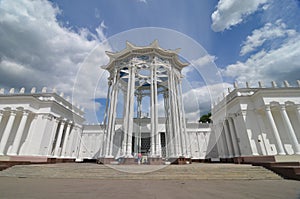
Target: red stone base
[253,159]
[25,160]
[180,160]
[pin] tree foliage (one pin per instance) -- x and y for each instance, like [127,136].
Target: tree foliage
[205,118]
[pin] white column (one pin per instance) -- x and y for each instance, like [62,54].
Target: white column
[275,131]
[54,129]
[126,136]
[228,139]
[297,113]
[152,105]
[7,131]
[224,140]
[66,138]
[179,113]
[219,140]
[58,139]
[1,115]
[139,116]
[175,115]
[297,108]
[104,141]
[289,128]
[70,143]
[111,125]
[233,137]
[177,119]
[19,133]
[169,141]
[186,145]
[157,142]
[172,116]
[78,132]
[131,112]
[114,110]
[124,141]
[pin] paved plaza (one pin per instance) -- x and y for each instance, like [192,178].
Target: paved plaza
[85,180]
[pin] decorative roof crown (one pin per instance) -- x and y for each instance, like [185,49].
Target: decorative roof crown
[138,50]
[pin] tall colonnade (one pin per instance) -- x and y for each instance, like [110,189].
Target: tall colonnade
[268,129]
[39,124]
[139,74]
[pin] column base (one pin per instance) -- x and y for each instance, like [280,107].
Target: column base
[282,153]
[12,154]
[109,156]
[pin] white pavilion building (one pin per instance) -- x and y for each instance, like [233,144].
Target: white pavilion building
[259,122]
[248,124]
[138,73]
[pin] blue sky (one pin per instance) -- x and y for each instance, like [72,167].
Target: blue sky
[46,43]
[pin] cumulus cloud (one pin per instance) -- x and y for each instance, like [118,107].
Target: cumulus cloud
[268,32]
[204,61]
[197,101]
[36,50]
[232,12]
[276,64]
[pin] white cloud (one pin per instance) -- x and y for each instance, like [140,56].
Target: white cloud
[232,12]
[197,101]
[97,13]
[268,32]
[36,50]
[204,61]
[281,63]
[142,1]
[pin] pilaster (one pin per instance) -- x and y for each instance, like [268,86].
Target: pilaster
[289,128]
[17,140]
[7,131]
[275,130]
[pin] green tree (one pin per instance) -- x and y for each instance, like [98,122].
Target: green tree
[205,118]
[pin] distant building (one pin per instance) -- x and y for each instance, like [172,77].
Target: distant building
[39,124]
[258,122]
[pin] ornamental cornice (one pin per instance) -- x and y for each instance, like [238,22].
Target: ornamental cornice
[136,50]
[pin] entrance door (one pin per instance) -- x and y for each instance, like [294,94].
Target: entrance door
[145,143]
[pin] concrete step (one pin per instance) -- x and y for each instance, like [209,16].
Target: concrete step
[176,172]
[288,172]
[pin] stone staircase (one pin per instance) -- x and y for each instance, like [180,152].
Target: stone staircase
[288,170]
[195,171]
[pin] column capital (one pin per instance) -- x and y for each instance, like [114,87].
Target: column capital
[69,123]
[63,119]
[25,112]
[109,81]
[297,107]
[48,116]
[268,108]
[166,94]
[231,115]
[13,113]
[282,107]
[241,113]
[77,125]
[259,110]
